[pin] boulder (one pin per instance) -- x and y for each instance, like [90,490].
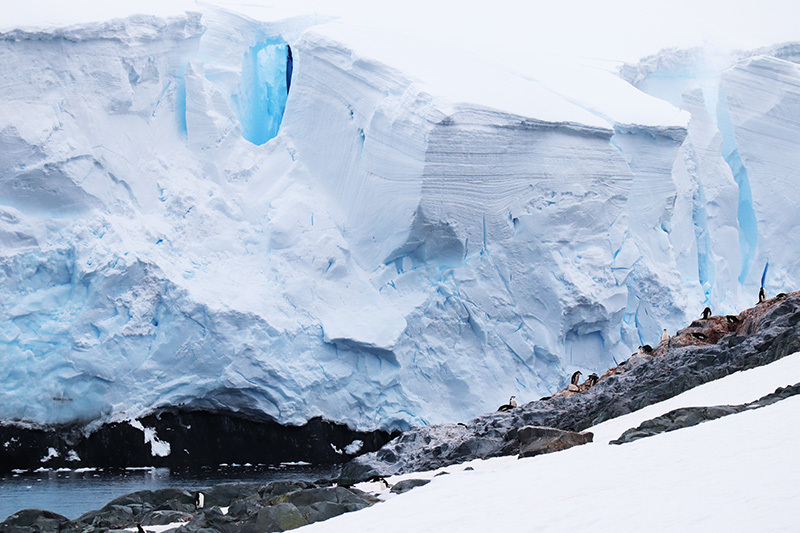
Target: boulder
[208,520]
[311,496]
[225,494]
[158,518]
[407,484]
[317,512]
[537,440]
[109,517]
[279,517]
[33,520]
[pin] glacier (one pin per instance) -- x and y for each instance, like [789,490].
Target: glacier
[302,218]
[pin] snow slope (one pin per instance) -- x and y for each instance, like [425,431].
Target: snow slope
[731,474]
[383,232]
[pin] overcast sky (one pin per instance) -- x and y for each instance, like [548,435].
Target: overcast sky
[616,29]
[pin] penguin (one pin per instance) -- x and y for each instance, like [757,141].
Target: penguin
[575,377]
[647,349]
[381,480]
[706,313]
[140,529]
[512,403]
[199,500]
[762,295]
[699,336]
[640,350]
[664,335]
[732,320]
[593,379]
[781,295]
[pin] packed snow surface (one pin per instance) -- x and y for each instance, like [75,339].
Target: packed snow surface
[735,473]
[303,217]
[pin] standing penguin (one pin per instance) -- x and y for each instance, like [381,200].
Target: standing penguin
[706,313]
[512,403]
[199,500]
[762,295]
[575,377]
[664,335]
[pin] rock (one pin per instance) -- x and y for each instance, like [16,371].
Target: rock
[537,440]
[154,498]
[158,518]
[225,494]
[280,517]
[317,512]
[33,520]
[111,516]
[276,488]
[328,494]
[241,509]
[208,520]
[407,484]
[691,416]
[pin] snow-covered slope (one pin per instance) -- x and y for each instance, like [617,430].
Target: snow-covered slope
[733,474]
[379,231]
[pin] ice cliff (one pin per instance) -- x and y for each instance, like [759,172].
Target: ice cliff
[298,218]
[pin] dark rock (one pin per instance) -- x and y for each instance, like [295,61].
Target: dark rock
[280,517]
[154,498]
[208,520]
[110,517]
[241,509]
[537,440]
[225,494]
[157,518]
[317,512]
[276,488]
[407,484]
[33,520]
[328,494]
[691,416]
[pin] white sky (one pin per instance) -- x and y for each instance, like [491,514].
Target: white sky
[616,29]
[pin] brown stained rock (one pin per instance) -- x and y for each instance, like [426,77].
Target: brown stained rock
[538,440]
[749,319]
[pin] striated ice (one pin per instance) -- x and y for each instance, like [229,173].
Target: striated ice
[395,233]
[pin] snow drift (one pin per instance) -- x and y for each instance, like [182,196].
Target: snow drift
[297,219]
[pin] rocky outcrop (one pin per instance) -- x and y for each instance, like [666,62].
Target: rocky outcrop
[29,520]
[252,507]
[691,416]
[755,337]
[537,440]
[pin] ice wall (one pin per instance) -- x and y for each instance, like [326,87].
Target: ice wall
[294,219]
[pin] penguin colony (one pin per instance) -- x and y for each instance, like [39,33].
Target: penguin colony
[645,351]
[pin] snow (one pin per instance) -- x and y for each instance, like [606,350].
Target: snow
[414,221]
[734,474]
[158,447]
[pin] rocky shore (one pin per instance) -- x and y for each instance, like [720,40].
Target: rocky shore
[228,507]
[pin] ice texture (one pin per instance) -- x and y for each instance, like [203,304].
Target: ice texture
[379,231]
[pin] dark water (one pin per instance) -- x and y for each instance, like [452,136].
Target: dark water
[74,492]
